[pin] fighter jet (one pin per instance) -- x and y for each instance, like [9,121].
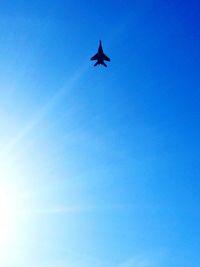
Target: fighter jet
[100,57]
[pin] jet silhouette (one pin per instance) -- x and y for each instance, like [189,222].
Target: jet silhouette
[100,57]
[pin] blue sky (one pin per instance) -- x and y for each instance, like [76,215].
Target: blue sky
[99,166]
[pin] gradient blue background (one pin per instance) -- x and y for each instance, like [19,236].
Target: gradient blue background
[106,161]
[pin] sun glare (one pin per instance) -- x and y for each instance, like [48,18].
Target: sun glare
[13,209]
[9,214]
[6,213]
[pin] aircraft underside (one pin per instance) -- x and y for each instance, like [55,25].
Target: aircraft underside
[100,57]
[100,63]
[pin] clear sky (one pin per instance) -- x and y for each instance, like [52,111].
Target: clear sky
[99,167]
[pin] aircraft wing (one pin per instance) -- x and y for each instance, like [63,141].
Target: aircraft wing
[95,57]
[106,58]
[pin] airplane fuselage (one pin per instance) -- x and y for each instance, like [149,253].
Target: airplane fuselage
[100,57]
